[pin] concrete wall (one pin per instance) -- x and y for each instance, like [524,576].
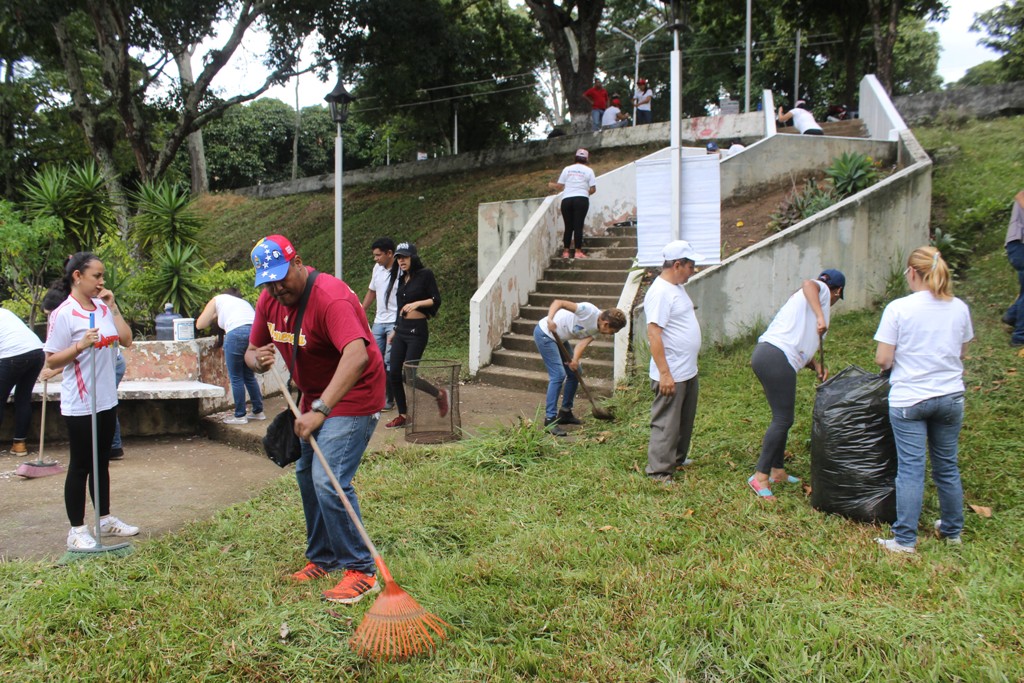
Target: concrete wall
[498,225]
[877,111]
[983,101]
[865,236]
[747,127]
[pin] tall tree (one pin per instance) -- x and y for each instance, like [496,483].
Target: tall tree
[1005,28]
[570,27]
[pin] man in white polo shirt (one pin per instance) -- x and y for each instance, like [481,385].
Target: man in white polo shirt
[674,337]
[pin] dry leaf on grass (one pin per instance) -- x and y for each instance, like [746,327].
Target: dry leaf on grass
[283,632]
[807,489]
[602,437]
[982,510]
[608,527]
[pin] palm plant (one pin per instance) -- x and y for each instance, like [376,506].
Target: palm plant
[90,215]
[175,277]
[851,172]
[166,216]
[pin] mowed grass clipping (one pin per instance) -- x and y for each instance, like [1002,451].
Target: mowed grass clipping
[557,560]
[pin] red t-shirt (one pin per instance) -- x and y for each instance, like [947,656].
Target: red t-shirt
[598,98]
[334,317]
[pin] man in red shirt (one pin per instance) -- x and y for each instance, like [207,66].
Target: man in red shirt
[340,372]
[598,98]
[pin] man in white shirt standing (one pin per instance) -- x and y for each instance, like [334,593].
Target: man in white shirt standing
[674,337]
[384,290]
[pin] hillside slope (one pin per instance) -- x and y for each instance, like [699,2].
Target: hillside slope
[439,214]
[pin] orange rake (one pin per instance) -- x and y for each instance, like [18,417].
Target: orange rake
[396,626]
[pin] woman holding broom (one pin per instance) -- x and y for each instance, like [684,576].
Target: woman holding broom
[80,331]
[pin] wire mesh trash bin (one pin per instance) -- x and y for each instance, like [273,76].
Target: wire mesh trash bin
[432,391]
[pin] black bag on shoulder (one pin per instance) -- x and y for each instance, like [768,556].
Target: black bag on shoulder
[280,442]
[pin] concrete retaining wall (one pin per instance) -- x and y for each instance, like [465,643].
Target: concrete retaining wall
[877,111]
[982,101]
[866,236]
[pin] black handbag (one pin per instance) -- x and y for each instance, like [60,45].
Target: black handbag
[280,442]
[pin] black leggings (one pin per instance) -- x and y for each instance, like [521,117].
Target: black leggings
[80,466]
[18,374]
[779,381]
[411,337]
[574,212]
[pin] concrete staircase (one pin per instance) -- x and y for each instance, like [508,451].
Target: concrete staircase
[851,128]
[598,279]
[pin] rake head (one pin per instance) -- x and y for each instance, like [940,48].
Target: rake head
[396,627]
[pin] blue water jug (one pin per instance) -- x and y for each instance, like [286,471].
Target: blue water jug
[165,323]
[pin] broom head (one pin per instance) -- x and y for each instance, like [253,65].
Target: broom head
[37,469]
[396,627]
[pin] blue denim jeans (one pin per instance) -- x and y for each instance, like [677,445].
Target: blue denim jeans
[1015,314]
[380,335]
[241,375]
[595,119]
[120,367]
[332,541]
[559,374]
[933,425]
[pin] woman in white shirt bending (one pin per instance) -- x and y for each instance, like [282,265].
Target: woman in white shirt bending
[922,338]
[234,315]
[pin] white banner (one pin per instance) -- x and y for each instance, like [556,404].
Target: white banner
[701,208]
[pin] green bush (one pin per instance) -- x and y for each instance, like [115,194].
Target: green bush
[802,203]
[851,172]
[166,216]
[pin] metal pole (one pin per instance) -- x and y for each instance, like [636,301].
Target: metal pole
[337,203]
[456,129]
[387,161]
[675,132]
[796,69]
[636,75]
[746,85]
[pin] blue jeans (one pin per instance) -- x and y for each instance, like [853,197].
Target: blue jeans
[120,367]
[1015,314]
[242,377]
[559,374]
[332,541]
[932,425]
[380,334]
[595,119]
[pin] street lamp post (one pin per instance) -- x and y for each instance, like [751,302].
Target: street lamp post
[637,46]
[338,100]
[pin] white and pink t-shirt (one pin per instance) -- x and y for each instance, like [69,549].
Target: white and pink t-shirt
[68,324]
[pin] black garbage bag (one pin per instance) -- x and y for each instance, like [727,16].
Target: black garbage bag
[853,453]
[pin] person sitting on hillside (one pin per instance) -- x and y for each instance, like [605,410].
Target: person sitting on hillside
[802,118]
[613,116]
[567,320]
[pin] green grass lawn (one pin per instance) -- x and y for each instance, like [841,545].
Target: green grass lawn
[558,560]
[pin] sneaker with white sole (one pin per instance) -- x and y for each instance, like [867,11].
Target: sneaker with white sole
[892,546]
[951,540]
[353,587]
[235,420]
[79,538]
[112,526]
[258,416]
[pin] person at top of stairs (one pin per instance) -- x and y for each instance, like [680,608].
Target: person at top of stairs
[803,119]
[569,320]
[576,183]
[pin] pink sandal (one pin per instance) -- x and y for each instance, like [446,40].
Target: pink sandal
[762,491]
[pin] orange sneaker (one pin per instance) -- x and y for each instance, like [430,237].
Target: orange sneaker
[352,587]
[18,447]
[308,573]
[580,254]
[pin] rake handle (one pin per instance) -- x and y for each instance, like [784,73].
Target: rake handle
[579,377]
[334,480]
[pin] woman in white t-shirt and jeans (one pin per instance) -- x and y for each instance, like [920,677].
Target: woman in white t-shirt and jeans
[85,330]
[922,338]
[234,315]
[787,346]
[576,183]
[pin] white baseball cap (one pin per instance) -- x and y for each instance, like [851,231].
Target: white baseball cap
[680,249]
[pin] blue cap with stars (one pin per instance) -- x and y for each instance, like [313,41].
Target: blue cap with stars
[271,257]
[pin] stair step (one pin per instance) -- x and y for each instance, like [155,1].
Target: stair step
[537,381]
[544,300]
[621,264]
[563,275]
[566,290]
[605,241]
[532,361]
[599,349]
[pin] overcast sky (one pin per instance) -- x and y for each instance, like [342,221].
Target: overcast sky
[960,51]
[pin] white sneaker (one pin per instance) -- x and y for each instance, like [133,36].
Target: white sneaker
[892,546]
[257,416]
[112,526]
[79,538]
[951,540]
[235,420]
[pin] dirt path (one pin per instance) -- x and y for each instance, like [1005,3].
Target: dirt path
[164,483]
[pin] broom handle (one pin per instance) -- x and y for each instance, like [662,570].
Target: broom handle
[42,423]
[330,475]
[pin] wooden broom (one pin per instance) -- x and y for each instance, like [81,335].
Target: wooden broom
[396,626]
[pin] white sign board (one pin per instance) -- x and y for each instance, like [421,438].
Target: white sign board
[701,209]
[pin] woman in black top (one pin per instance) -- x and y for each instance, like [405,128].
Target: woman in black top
[418,299]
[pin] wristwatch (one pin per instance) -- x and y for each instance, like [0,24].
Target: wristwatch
[320,407]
